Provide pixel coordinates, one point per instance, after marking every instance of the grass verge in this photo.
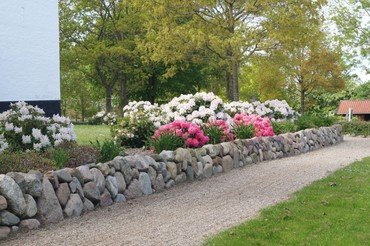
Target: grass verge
(87, 133)
(331, 211)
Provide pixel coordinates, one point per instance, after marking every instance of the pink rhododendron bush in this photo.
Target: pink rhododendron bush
(25, 127)
(191, 133)
(218, 131)
(262, 125)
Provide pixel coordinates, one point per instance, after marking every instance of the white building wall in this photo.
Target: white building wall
(29, 50)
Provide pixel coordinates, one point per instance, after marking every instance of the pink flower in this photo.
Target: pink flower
(262, 125)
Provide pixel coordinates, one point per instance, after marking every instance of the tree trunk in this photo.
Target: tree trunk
(108, 99)
(235, 80)
(303, 95)
(229, 83)
(83, 109)
(123, 95)
(152, 88)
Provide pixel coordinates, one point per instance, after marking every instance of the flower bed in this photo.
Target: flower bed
(69, 192)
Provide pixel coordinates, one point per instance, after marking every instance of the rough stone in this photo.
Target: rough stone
(217, 169)
(120, 198)
(135, 173)
(190, 173)
(170, 184)
(74, 206)
(75, 173)
(91, 192)
(172, 169)
(142, 163)
(158, 183)
(111, 185)
(183, 156)
(133, 190)
(152, 174)
(86, 174)
(63, 176)
(145, 184)
(225, 148)
(105, 199)
(207, 159)
(166, 176)
(4, 231)
(29, 224)
(157, 157)
(88, 205)
(14, 229)
(126, 171)
(181, 178)
(227, 163)
(13, 194)
(48, 207)
(31, 209)
(99, 179)
(3, 203)
(63, 193)
(131, 160)
(216, 161)
(75, 186)
(208, 169)
(30, 183)
(53, 178)
(121, 183)
(198, 170)
(167, 155)
(8, 219)
(104, 168)
(212, 150)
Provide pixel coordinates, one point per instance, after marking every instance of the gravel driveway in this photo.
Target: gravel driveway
(188, 213)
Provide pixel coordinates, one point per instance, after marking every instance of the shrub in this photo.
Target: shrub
(281, 127)
(107, 150)
(262, 125)
(60, 157)
(191, 133)
(311, 121)
(167, 141)
(244, 131)
(102, 117)
(24, 161)
(356, 128)
(133, 131)
(218, 131)
(25, 127)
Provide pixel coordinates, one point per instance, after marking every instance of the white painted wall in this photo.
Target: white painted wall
(29, 50)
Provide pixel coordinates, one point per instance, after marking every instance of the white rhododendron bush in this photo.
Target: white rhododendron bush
(25, 127)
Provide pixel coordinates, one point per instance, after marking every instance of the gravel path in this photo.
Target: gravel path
(188, 213)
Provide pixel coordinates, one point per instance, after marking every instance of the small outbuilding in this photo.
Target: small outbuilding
(360, 108)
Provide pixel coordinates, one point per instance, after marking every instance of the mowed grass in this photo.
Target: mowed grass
(332, 211)
(90, 133)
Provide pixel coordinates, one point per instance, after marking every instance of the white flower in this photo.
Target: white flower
(26, 139)
(24, 110)
(37, 146)
(9, 126)
(18, 129)
(36, 133)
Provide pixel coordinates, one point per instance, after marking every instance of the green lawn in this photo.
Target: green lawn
(87, 133)
(332, 211)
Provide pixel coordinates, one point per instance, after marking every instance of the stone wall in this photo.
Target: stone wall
(26, 200)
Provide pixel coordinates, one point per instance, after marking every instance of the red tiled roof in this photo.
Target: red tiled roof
(358, 106)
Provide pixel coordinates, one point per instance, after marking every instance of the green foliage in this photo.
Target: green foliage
(244, 132)
(133, 131)
(312, 121)
(331, 211)
(283, 127)
(214, 133)
(356, 128)
(108, 150)
(166, 141)
(60, 157)
(24, 161)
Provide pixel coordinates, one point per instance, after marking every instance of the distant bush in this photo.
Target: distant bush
(166, 141)
(107, 150)
(311, 121)
(282, 127)
(356, 128)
